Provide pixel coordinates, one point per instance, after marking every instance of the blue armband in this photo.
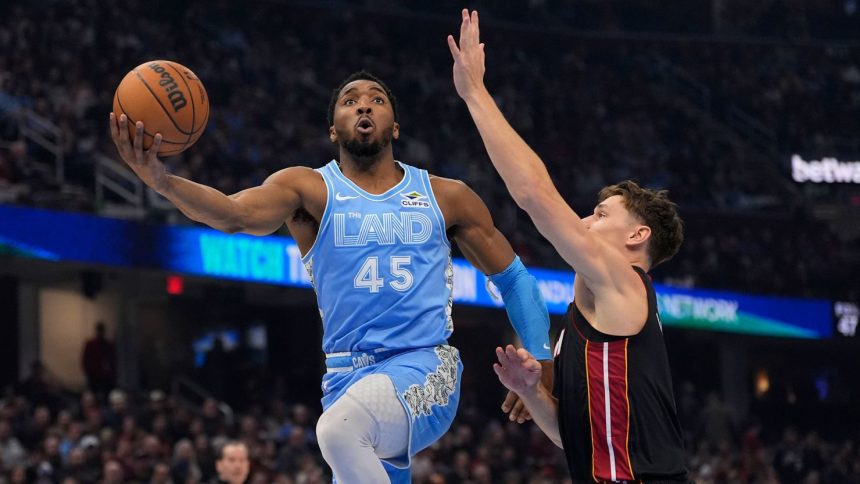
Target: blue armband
(526, 308)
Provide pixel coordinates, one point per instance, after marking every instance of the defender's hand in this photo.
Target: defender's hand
(513, 404)
(468, 56)
(145, 164)
(517, 369)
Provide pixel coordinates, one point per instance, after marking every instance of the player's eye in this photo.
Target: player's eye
(348, 102)
(379, 100)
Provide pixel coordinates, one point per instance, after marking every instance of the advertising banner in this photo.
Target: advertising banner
(60, 236)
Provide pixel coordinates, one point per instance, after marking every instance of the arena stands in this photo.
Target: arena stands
(710, 110)
(153, 438)
(598, 110)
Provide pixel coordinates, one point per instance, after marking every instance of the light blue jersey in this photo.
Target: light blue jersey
(381, 269)
(381, 266)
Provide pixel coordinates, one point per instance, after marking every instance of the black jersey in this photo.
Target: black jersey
(617, 414)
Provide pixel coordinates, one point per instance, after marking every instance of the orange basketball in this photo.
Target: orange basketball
(169, 99)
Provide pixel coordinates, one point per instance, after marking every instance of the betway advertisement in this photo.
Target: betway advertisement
(60, 236)
(825, 170)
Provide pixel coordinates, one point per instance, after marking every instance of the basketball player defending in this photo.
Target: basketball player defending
(373, 234)
(611, 408)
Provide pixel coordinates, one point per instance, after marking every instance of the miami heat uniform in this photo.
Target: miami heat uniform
(617, 415)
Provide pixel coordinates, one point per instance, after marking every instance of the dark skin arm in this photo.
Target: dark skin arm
(258, 210)
(469, 222)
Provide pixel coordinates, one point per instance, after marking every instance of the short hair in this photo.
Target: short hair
(359, 76)
(655, 210)
(219, 450)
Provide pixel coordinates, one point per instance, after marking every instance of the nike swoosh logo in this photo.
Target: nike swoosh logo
(341, 198)
(545, 346)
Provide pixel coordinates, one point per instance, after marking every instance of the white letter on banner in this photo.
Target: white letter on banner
(555, 292)
(673, 305)
(713, 310)
(730, 309)
(842, 171)
(298, 273)
(464, 283)
(848, 315)
(815, 171)
(798, 169)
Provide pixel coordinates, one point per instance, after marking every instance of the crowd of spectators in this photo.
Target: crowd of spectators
(590, 106)
(50, 435)
(807, 95)
(795, 20)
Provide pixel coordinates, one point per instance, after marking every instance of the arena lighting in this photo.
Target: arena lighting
(175, 285)
(762, 382)
(827, 170)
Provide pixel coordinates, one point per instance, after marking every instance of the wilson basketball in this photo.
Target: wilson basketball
(169, 99)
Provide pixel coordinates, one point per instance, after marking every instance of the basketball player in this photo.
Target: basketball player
(612, 408)
(373, 234)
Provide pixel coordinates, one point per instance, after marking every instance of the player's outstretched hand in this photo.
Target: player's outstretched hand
(145, 164)
(468, 56)
(517, 369)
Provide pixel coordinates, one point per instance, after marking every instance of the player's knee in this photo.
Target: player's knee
(328, 434)
(343, 426)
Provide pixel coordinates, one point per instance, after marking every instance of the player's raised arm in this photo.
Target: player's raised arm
(523, 172)
(259, 211)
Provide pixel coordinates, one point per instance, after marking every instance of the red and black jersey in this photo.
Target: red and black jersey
(617, 414)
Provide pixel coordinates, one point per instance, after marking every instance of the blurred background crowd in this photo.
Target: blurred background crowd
(49, 435)
(706, 99)
(714, 121)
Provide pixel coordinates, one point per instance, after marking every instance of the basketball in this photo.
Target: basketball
(169, 99)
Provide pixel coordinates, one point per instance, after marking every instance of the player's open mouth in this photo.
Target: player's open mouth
(364, 126)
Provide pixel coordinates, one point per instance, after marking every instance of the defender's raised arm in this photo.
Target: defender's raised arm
(523, 172)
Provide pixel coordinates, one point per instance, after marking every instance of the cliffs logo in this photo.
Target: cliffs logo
(414, 200)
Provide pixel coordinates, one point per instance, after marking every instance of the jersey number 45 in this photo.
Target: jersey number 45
(368, 275)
